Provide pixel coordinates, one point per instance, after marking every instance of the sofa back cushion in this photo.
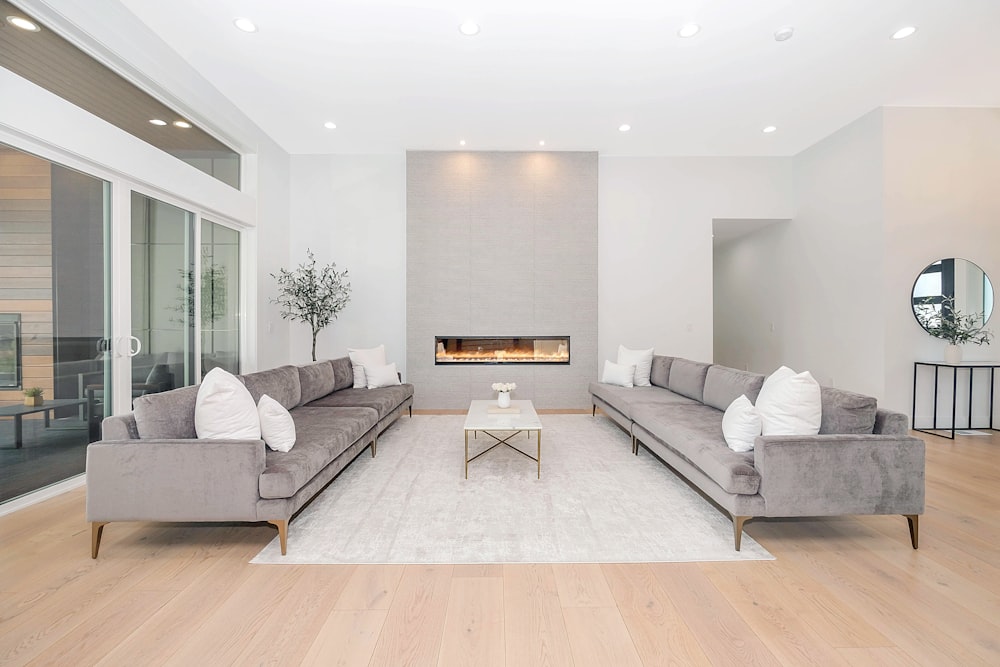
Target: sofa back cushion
(343, 373)
(281, 384)
(847, 412)
(168, 415)
(659, 376)
(724, 385)
(687, 378)
(315, 381)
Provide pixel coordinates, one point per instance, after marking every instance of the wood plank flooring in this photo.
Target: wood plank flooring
(843, 591)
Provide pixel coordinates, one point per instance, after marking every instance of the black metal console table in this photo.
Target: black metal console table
(973, 366)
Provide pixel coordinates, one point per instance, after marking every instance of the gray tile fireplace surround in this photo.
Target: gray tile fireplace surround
(501, 244)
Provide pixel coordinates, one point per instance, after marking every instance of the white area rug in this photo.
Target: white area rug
(595, 503)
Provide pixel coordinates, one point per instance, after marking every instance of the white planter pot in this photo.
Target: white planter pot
(953, 354)
(503, 399)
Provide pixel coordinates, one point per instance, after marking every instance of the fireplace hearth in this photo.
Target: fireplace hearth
(545, 350)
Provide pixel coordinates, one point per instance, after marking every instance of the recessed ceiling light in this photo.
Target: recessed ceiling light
(624, 127)
(784, 33)
(462, 142)
(330, 125)
(469, 28)
(246, 25)
(157, 121)
(183, 124)
(903, 33)
(23, 23)
(541, 143)
(769, 129)
(689, 30)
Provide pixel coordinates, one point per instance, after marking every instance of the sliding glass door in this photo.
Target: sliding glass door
(55, 319)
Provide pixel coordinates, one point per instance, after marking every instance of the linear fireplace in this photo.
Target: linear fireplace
(501, 350)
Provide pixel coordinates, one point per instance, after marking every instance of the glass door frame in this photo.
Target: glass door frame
(119, 251)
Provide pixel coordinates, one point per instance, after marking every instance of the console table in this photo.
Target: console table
(972, 366)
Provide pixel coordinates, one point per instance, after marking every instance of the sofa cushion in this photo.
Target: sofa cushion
(322, 434)
(343, 373)
(167, 415)
(695, 433)
(315, 380)
(641, 359)
(225, 410)
(623, 400)
(281, 384)
(383, 400)
(847, 412)
(659, 374)
(724, 385)
(687, 378)
(619, 375)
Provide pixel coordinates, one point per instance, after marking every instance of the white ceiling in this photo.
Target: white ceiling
(398, 75)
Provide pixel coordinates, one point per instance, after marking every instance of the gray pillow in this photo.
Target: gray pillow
(343, 373)
(723, 385)
(687, 378)
(659, 375)
(316, 381)
(168, 415)
(281, 384)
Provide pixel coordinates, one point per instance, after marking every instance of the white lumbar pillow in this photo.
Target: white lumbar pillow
(224, 409)
(618, 374)
(382, 376)
(276, 425)
(374, 356)
(641, 359)
(741, 424)
(790, 403)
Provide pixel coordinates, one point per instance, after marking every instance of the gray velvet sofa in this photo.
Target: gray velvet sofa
(151, 466)
(863, 461)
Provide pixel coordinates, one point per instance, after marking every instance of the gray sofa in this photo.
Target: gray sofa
(151, 466)
(863, 461)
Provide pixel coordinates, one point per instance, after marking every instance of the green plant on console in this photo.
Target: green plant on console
(949, 323)
(312, 296)
(34, 392)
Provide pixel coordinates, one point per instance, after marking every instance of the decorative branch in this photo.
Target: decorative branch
(949, 323)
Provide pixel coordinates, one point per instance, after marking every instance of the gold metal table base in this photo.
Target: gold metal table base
(504, 441)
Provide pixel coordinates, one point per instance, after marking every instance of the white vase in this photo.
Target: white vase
(503, 399)
(953, 354)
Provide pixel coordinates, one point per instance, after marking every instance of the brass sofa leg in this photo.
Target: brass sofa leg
(96, 532)
(282, 526)
(913, 520)
(593, 412)
(738, 522)
(410, 408)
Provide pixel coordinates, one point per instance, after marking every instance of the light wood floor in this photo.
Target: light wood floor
(846, 591)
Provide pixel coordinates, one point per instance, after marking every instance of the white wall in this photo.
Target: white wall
(808, 293)
(941, 200)
(655, 244)
(351, 210)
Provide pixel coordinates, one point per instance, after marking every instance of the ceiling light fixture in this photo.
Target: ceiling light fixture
(23, 23)
(769, 129)
(541, 143)
(461, 142)
(689, 30)
(784, 33)
(469, 28)
(245, 24)
(183, 124)
(330, 125)
(903, 33)
(624, 127)
(157, 121)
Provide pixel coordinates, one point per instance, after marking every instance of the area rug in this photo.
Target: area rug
(595, 503)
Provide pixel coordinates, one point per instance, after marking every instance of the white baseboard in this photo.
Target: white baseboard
(42, 494)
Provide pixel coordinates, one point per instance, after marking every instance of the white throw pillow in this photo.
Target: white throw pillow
(643, 361)
(741, 424)
(790, 403)
(374, 356)
(382, 376)
(277, 427)
(618, 374)
(224, 409)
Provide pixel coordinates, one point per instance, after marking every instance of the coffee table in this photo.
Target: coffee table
(486, 418)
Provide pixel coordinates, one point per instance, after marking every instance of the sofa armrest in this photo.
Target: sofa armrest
(174, 480)
(828, 475)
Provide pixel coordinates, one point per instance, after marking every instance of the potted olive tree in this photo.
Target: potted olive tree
(313, 296)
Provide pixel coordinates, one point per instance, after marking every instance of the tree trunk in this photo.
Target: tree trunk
(315, 332)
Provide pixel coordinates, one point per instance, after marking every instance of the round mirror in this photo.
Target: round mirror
(958, 285)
